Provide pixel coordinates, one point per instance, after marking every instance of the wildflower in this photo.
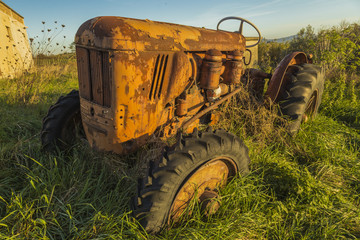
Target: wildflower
(63, 25)
(43, 22)
(49, 30)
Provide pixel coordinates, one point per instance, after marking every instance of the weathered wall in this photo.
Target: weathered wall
(15, 53)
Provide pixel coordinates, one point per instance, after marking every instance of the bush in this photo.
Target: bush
(335, 49)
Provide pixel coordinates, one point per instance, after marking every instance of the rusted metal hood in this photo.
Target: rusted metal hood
(118, 33)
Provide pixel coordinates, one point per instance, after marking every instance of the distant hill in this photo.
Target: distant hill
(281, 40)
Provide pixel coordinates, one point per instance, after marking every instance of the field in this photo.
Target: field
(301, 187)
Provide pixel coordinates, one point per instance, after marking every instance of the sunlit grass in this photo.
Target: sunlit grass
(302, 187)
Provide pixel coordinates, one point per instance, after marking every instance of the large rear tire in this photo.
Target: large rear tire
(62, 124)
(194, 169)
(302, 96)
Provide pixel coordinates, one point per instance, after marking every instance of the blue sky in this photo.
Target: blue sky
(274, 18)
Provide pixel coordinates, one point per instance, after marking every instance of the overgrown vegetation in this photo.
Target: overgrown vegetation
(302, 187)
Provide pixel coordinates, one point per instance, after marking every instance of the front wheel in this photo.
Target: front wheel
(302, 96)
(197, 167)
(62, 125)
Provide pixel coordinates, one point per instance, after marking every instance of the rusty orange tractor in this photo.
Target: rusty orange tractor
(140, 78)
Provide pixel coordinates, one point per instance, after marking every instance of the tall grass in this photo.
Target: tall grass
(302, 187)
(50, 76)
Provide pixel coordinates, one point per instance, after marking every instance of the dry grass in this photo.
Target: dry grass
(253, 118)
(29, 87)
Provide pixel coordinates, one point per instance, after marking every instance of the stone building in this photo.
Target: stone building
(15, 52)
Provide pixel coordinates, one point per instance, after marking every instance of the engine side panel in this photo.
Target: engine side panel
(131, 73)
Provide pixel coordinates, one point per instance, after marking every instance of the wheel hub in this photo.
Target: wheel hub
(202, 186)
(209, 201)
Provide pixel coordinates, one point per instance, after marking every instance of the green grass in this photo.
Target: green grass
(305, 187)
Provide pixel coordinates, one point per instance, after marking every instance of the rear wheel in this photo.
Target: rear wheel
(197, 167)
(302, 96)
(62, 124)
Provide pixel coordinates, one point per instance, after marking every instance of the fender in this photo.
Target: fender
(279, 80)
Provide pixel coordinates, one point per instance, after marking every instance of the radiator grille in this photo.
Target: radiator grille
(94, 76)
(158, 76)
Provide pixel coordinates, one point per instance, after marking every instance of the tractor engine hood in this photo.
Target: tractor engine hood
(118, 33)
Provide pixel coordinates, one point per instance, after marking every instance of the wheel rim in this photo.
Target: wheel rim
(203, 184)
(310, 108)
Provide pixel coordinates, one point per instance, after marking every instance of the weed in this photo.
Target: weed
(49, 41)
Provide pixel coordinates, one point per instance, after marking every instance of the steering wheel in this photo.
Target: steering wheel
(242, 20)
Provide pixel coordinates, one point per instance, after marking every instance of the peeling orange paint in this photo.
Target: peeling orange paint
(143, 67)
